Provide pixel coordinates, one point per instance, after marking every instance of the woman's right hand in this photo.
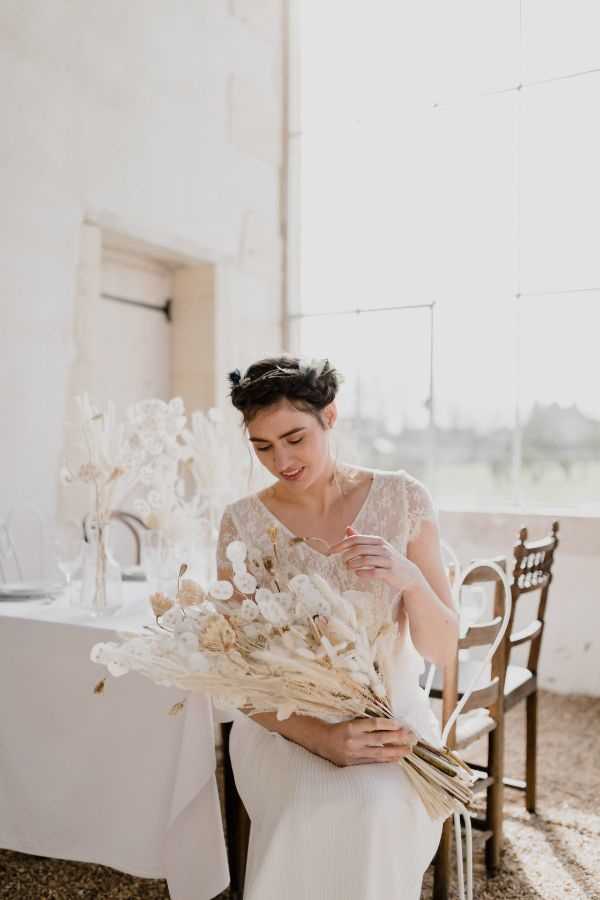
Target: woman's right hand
(365, 740)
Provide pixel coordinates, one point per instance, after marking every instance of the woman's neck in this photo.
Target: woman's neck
(319, 497)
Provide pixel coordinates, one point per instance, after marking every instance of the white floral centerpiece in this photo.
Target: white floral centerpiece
(156, 429)
(111, 470)
(218, 460)
(295, 646)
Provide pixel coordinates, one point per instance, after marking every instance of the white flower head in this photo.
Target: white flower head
(171, 617)
(315, 364)
(176, 406)
(236, 552)
(245, 582)
(248, 611)
(214, 415)
(286, 601)
(300, 583)
(312, 603)
(221, 590)
(270, 607)
(66, 476)
(116, 668)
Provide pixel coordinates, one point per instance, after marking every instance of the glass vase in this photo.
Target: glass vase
(101, 589)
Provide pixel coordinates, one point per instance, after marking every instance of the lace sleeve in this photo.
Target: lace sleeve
(227, 533)
(419, 506)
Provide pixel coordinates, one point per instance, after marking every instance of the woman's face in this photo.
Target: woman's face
(291, 443)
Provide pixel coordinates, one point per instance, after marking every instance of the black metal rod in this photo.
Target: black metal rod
(166, 309)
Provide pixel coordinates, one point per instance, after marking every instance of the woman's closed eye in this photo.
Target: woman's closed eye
(268, 447)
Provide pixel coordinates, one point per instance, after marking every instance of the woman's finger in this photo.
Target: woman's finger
(376, 723)
(382, 755)
(401, 738)
(354, 539)
(362, 549)
(370, 561)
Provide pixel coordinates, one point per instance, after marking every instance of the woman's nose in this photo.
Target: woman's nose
(282, 460)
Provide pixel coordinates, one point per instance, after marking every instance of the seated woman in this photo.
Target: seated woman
(332, 817)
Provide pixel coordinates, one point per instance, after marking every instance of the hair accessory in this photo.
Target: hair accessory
(312, 365)
(235, 377)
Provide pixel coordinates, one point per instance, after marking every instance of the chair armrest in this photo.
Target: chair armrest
(528, 633)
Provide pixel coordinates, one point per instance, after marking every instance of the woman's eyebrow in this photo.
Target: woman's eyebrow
(287, 434)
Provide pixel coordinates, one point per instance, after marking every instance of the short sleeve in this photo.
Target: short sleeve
(227, 533)
(419, 505)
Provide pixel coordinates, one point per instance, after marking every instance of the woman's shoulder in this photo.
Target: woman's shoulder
(409, 492)
(240, 507)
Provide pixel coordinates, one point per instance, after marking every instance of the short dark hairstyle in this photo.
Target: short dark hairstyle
(308, 387)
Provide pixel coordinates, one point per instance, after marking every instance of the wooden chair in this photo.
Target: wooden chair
(532, 571)
(533, 561)
(237, 822)
(482, 714)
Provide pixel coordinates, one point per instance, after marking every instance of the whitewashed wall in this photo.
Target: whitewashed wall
(570, 659)
(161, 121)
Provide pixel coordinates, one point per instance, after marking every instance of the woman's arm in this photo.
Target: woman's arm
(427, 601)
(419, 578)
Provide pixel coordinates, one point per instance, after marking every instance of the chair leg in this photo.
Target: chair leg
(531, 752)
(237, 823)
(442, 864)
(495, 798)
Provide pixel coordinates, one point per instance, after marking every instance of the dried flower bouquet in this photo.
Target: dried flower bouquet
(298, 646)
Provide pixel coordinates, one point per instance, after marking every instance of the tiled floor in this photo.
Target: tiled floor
(554, 855)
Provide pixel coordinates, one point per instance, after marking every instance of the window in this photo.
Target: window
(450, 193)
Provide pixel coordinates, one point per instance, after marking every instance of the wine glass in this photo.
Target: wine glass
(68, 551)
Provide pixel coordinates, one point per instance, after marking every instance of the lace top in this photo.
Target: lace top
(394, 509)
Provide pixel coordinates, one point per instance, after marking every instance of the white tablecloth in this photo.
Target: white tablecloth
(110, 778)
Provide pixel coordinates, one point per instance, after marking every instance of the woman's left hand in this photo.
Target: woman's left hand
(369, 555)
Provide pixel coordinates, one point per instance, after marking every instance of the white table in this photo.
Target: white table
(110, 778)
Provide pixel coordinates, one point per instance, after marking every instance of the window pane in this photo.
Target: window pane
(365, 216)
(560, 187)
(384, 401)
(560, 37)
(559, 401)
(474, 46)
(475, 403)
(473, 231)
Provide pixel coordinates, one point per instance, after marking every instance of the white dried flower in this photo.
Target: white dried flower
(245, 583)
(300, 583)
(236, 552)
(248, 611)
(66, 476)
(313, 363)
(221, 590)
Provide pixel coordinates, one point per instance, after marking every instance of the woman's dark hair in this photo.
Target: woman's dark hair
(309, 385)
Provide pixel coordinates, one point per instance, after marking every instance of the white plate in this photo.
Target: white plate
(22, 589)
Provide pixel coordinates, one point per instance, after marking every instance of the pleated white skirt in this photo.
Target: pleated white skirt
(320, 832)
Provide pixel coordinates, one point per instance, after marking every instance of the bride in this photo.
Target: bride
(332, 817)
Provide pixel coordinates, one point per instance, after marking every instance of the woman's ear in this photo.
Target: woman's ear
(330, 414)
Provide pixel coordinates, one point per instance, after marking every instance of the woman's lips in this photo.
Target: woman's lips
(295, 476)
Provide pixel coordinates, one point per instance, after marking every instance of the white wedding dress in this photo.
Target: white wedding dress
(321, 832)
